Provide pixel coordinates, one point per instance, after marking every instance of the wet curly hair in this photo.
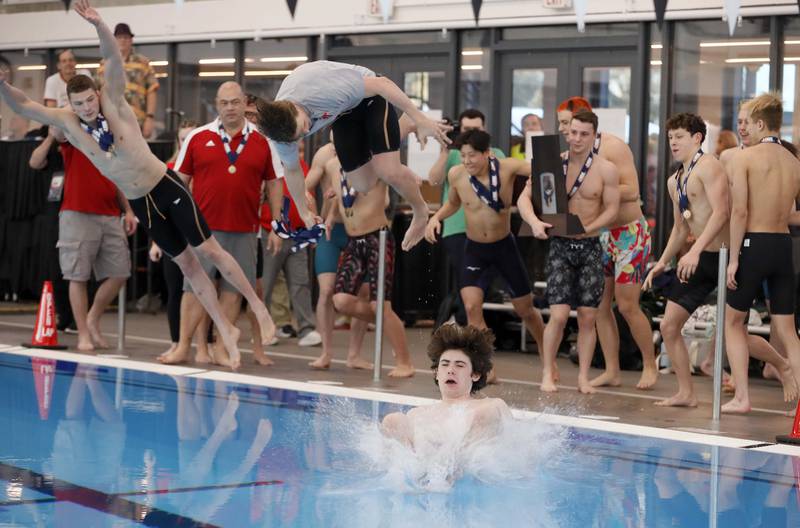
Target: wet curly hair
(477, 344)
(277, 120)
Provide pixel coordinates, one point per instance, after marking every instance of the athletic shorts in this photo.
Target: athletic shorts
(359, 262)
(326, 256)
(765, 257)
(693, 293)
(243, 247)
(574, 270)
(626, 250)
(483, 260)
(370, 128)
(171, 217)
(91, 242)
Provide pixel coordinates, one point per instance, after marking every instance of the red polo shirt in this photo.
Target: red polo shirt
(85, 189)
(294, 216)
(229, 202)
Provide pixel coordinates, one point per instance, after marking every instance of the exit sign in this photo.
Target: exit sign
(558, 4)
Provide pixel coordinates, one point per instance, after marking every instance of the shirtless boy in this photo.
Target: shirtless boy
(103, 126)
(574, 264)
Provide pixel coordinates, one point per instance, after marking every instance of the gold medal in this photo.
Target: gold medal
(232, 169)
(687, 214)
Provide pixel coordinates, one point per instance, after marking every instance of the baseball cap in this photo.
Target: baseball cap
(122, 29)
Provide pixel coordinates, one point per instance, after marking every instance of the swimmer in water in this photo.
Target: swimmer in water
(461, 361)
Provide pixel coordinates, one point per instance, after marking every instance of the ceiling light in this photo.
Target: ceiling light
(216, 61)
(88, 65)
(471, 67)
(734, 44)
(32, 68)
(655, 63)
(760, 60)
(471, 53)
(159, 63)
(284, 59)
(216, 74)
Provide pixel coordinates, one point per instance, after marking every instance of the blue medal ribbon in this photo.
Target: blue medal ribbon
(101, 133)
(226, 142)
(348, 195)
(683, 196)
(581, 176)
(771, 139)
(302, 237)
(490, 196)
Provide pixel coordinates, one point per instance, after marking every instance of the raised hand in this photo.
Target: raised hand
(85, 9)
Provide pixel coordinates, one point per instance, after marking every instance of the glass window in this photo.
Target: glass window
(387, 39)
(425, 89)
(267, 62)
(559, 32)
(653, 125)
(202, 67)
(534, 92)
(791, 75)
(714, 72)
(475, 71)
(28, 73)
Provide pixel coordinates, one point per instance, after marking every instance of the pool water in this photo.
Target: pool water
(86, 445)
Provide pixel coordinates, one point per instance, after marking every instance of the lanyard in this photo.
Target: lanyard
(683, 197)
(771, 139)
(101, 134)
(596, 146)
(226, 144)
(348, 195)
(582, 176)
(490, 196)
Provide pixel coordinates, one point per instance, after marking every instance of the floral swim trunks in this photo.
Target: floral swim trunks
(626, 250)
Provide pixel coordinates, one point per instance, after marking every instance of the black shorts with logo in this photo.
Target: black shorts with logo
(483, 260)
(370, 128)
(765, 257)
(574, 270)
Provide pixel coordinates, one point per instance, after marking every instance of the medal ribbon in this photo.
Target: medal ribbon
(226, 142)
(683, 197)
(302, 237)
(490, 196)
(771, 139)
(581, 176)
(596, 146)
(101, 134)
(348, 193)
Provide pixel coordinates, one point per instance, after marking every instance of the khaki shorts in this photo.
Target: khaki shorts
(242, 247)
(91, 242)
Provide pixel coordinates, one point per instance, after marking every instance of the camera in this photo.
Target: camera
(453, 134)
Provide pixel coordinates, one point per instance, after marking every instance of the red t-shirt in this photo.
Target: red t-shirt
(85, 189)
(229, 202)
(294, 216)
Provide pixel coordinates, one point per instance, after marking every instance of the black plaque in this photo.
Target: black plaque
(549, 192)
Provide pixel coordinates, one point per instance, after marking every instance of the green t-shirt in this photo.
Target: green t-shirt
(456, 223)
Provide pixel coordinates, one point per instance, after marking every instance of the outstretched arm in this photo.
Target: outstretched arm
(114, 75)
(22, 105)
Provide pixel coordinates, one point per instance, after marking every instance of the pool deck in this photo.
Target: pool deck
(519, 374)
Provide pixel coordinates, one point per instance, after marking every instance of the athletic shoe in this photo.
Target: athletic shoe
(310, 339)
(285, 332)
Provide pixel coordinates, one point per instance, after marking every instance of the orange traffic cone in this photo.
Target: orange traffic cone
(794, 436)
(45, 334)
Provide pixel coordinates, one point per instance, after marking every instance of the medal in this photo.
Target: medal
(226, 144)
(101, 134)
(771, 139)
(490, 196)
(581, 176)
(683, 196)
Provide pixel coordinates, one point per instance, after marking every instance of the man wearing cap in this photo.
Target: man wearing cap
(141, 85)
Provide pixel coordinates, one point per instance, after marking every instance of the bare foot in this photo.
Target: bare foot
(606, 379)
(262, 360)
(85, 344)
(770, 372)
(789, 383)
(359, 364)
(584, 387)
(678, 400)
(491, 378)
(416, 230)
(176, 357)
(202, 356)
(97, 337)
(548, 384)
(707, 367)
(232, 347)
(169, 351)
(219, 356)
(402, 371)
(736, 406)
(321, 363)
(648, 379)
(266, 324)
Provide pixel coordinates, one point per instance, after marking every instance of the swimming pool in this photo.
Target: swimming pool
(112, 443)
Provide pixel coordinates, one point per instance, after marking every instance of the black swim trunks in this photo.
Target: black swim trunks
(370, 128)
(574, 270)
(170, 215)
(693, 293)
(358, 262)
(765, 257)
(483, 260)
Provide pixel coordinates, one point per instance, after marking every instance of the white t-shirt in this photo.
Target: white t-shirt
(55, 88)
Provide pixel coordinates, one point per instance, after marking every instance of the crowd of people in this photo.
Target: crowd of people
(236, 210)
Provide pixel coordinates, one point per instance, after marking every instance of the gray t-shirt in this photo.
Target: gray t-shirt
(325, 89)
